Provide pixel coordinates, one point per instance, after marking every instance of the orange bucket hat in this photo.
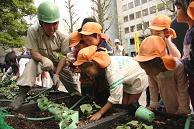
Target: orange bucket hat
(152, 47)
(90, 28)
(75, 38)
(190, 10)
(89, 53)
(161, 22)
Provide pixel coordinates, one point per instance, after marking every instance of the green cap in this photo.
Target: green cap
(48, 12)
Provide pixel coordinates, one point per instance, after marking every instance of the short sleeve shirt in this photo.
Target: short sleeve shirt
(47, 46)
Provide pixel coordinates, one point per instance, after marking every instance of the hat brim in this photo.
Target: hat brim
(85, 33)
(172, 32)
(156, 28)
(169, 62)
(74, 44)
(143, 58)
(104, 36)
(190, 10)
(78, 62)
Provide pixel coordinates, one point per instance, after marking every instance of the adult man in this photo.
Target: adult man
(44, 42)
(118, 48)
(25, 52)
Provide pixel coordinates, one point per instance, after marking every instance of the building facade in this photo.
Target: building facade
(137, 14)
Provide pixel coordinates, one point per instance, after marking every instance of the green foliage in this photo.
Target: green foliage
(60, 111)
(87, 108)
(8, 93)
(13, 26)
(74, 93)
(60, 56)
(135, 123)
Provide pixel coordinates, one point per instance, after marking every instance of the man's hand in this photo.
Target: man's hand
(14, 78)
(56, 82)
(47, 64)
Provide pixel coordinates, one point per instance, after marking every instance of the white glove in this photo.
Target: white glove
(47, 65)
(56, 82)
(3, 78)
(14, 78)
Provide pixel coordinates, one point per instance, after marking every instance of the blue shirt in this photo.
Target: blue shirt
(105, 46)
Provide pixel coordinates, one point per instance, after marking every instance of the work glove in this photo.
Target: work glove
(47, 65)
(14, 78)
(56, 82)
(3, 78)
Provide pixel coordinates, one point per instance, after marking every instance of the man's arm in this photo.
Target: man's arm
(36, 56)
(60, 65)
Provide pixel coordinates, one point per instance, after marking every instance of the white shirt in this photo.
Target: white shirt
(118, 50)
(124, 74)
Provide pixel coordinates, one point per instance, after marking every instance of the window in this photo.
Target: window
(131, 16)
(130, 5)
(145, 25)
(139, 26)
(143, 1)
(145, 12)
(137, 3)
(126, 19)
(126, 30)
(152, 9)
(132, 28)
(124, 7)
(161, 7)
(138, 14)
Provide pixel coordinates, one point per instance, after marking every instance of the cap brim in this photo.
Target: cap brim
(73, 44)
(78, 62)
(156, 28)
(143, 58)
(85, 33)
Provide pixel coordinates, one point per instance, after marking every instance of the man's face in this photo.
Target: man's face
(24, 49)
(50, 28)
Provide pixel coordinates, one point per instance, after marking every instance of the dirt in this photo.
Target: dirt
(18, 122)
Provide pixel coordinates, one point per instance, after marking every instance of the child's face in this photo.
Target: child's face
(157, 33)
(91, 40)
(149, 71)
(180, 14)
(79, 46)
(91, 71)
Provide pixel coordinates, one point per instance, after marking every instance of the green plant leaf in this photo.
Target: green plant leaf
(86, 108)
(148, 127)
(133, 122)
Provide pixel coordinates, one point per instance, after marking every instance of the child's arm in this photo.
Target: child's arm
(182, 86)
(104, 109)
(171, 47)
(153, 93)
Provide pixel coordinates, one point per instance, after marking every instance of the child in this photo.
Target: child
(160, 26)
(17, 64)
(166, 74)
(121, 75)
(188, 55)
(91, 34)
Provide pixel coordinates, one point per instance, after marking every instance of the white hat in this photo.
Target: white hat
(117, 41)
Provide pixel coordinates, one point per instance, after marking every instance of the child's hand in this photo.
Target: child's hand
(150, 108)
(96, 116)
(168, 38)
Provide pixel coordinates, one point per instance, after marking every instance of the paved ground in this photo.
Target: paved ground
(142, 99)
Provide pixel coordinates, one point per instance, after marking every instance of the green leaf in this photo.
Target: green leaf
(148, 127)
(86, 108)
(133, 122)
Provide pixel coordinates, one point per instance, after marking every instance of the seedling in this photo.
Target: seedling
(8, 93)
(135, 123)
(74, 93)
(60, 56)
(87, 108)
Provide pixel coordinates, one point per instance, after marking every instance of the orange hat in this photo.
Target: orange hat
(190, 10)
(161, 22)
(75, 38)
(152, 47)
(104, 36)
(90, 28)
(89, 53)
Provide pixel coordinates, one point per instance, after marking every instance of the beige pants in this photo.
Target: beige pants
(33, 69)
